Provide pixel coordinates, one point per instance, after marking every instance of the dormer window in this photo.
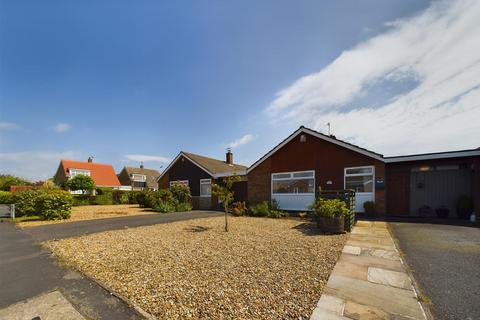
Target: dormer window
(74, 172)
(138, 177)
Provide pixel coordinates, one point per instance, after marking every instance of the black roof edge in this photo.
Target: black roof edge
(431, 153)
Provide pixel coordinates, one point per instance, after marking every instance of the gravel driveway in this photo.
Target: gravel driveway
(260, 269)
(445, 260)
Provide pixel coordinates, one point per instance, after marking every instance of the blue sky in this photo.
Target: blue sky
(126, 81)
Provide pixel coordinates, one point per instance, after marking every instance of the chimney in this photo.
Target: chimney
(90, 159)
(141, 165)
(229, 156)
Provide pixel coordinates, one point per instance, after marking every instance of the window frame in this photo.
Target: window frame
(345, 175)
(205, 182)
(144, 177)
(85, 172)
(182, 182)
(291, 177)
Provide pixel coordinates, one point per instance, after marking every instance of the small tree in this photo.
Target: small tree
(81, 182)
(225, 194)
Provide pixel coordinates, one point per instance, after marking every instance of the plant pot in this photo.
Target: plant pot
(442, 213)
(331, 225)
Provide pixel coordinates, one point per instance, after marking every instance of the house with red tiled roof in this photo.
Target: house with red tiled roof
(103, 174)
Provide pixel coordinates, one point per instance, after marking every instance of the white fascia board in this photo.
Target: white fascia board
(320, 136)
(434, 156)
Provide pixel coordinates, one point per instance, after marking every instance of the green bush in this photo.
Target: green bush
(277, 214)
(6, 197)
(132, 197)
(181, 193)
(165, 207)
(141, 198)
(50, 204)
(81, 182)
(83, 200)
(184, 206)
(329, 208)
(55, 205)
(26, 202)
(103, 199)
(7, 180)
(260, 209)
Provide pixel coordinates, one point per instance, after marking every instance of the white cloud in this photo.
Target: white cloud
(241, 141)
(147, 158)
(62, 127)
(33, 165)
(436, 51)
(8, 126)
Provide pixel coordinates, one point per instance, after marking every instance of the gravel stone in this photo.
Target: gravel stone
(260, 269)
(81, 213)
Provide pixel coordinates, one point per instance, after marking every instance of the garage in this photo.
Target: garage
(431, 185)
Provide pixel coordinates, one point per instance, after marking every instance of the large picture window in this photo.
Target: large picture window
(205, 187)
(293, 182)
(359, 179)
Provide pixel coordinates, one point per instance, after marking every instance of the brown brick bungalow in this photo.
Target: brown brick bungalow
(293, 171)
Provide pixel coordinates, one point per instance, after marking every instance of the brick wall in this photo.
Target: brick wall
(259, 183)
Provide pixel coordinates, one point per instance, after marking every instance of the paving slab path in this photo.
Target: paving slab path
(369, 280)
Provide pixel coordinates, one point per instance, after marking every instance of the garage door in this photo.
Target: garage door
(438, 187)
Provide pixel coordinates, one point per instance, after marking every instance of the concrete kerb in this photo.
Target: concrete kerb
(415, 285)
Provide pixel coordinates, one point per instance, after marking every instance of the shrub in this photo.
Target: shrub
(161, 200)
(81, 182)
(6, 197)
(132, 197)
(277, 214)
(184, 206)
(303, 215)
(181, 193)
(83, 200)
(329, 208)
(26, 202)
(141, 198)
(103, 199)
(7, 180)
(164, 207)
(239, 209)
(260, 209)
(103, 190)
(55, 205)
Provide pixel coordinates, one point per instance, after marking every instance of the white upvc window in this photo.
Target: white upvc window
(291, 183)
(360, 179)
(74, 172)
(139, 177)
(180, 182)
(205, 187)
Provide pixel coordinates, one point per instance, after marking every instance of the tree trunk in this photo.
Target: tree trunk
(226, 218)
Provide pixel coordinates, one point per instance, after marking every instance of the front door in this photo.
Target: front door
(361, 179)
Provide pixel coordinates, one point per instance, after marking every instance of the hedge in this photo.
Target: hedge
(177, 198)
(6, 197)
(106, 196)
(50, 204)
